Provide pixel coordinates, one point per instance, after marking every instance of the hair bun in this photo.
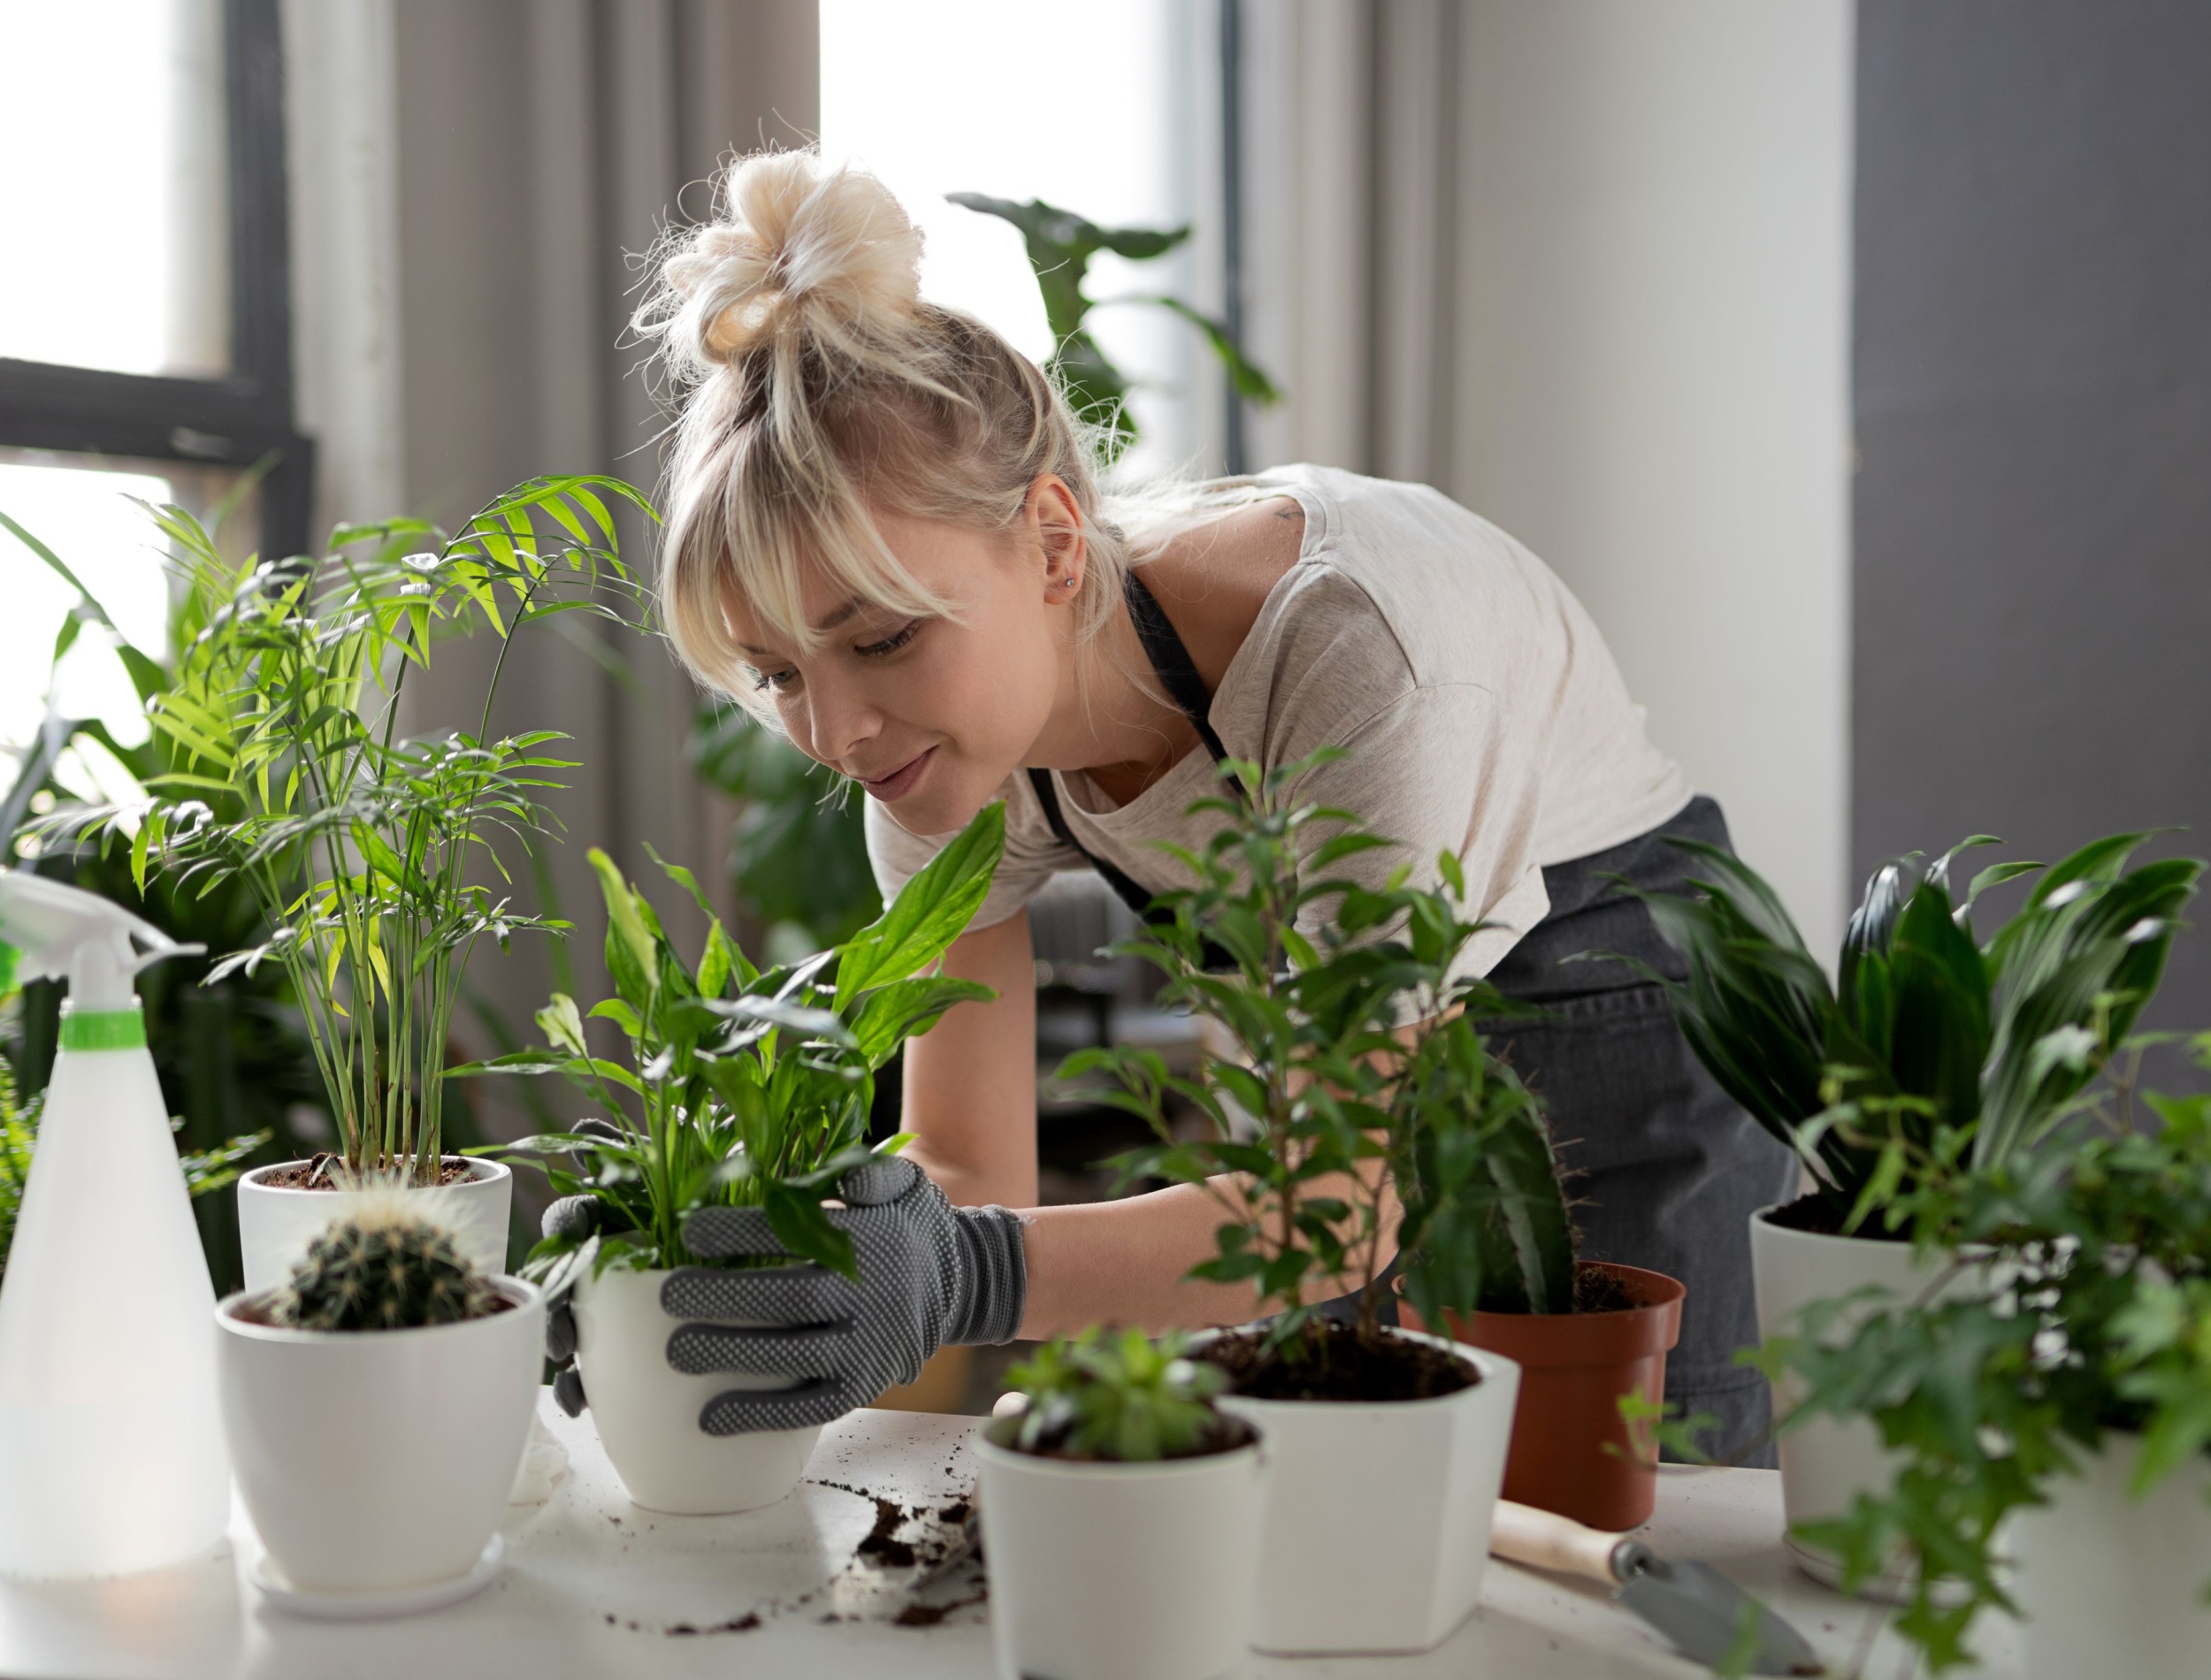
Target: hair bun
(798, 249)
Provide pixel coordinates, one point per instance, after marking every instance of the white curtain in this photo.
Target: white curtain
(473, 185)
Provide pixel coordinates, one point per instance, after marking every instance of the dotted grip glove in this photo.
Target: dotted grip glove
(930, 1274)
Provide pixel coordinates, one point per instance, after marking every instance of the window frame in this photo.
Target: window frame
(245, 415)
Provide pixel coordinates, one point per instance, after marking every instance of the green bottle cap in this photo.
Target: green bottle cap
(102, 1029)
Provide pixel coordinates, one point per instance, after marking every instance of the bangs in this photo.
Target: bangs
(748, 540)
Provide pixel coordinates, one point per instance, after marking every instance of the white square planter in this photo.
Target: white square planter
(2112, 1586)
(1377, 1514)
(1121, 1571)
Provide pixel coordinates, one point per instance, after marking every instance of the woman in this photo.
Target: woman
(885, 535)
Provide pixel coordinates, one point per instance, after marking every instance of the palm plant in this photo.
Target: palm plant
(1061, 246)
(1926, 1034)
(744, 1087)
(367, 852)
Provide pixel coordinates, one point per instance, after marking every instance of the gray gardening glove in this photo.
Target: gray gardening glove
(579, 1217)
(930, 1274)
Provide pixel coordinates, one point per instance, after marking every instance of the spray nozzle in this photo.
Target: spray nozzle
(61, 932)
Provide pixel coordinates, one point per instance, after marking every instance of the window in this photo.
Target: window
(989, 100)
(145, 321)
(145, 309)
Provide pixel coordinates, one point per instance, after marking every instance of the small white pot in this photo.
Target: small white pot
(275, 1224)
(1826, 1461)
(646, 1412)
(1122, 1571)
(376, 1461)
(1377, 1514)
(2112, 1585)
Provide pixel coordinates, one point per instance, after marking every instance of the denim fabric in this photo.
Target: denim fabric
(1663, 1169)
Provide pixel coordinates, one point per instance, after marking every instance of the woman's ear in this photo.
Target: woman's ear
(1056, 523)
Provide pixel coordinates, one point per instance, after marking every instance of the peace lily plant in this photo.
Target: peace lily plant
(742, 1088)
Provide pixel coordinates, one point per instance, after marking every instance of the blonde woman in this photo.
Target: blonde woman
(885, 536)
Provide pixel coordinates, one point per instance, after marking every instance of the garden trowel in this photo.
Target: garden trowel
(1707, 1616)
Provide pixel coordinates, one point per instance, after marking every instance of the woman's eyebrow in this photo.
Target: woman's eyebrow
(821, 628)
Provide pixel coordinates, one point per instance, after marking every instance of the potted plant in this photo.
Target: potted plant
(1387, 1444)
(325, 1385)
(368, 853)
(745, 1087)
(1120, 1515)
(1487, 1252)
(1924, 1033)
(2050, 1418)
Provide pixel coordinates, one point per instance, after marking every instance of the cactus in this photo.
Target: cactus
(1527, 1241)
(382, 1268)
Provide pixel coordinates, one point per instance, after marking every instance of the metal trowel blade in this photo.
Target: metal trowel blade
(1710, 1618)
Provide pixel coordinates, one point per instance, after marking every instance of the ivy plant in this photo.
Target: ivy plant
(2082, 1316)
(742, 1086)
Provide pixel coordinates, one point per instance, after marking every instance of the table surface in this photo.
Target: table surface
(596, 1588)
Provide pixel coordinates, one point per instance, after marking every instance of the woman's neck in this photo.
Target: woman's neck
(1212, 581)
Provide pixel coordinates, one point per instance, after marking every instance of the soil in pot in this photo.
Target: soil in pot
(1817, 1216)
(324, 1171)
(1339, 1366)
(1572, 1451)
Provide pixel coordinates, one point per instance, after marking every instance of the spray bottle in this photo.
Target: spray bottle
(111, 1455)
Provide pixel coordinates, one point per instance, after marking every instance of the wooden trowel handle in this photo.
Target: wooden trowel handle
(1545, 1540)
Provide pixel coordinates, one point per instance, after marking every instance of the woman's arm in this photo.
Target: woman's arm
(971, 1080)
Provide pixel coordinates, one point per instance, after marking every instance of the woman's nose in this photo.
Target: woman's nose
(843, 723)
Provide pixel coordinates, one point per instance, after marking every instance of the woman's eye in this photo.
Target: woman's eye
(776, 680)
(890, 644)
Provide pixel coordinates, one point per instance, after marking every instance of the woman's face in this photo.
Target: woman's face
(930, 715)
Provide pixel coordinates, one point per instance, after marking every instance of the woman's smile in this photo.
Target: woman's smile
(897, 783)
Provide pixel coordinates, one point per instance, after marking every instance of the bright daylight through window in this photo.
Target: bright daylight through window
(1084, 105)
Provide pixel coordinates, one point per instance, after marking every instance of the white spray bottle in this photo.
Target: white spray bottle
(111, 1455)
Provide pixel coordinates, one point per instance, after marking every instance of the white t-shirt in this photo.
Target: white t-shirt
(1480, 709)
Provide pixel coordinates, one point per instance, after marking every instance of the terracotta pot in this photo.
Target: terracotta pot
(1571, 1452)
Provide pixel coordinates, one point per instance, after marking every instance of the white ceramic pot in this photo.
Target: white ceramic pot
(646, 1412)
(1377, 1515)
(1122, 1571)
(1826, 1461)
(377, 1461)
(2112, 1585)
(276, 1225)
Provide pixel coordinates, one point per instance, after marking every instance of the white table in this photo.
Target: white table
(596, 1589)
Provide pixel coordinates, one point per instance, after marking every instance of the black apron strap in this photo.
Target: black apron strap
(1178, 675)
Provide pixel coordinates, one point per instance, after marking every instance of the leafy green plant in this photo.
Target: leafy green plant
(749, 1087)
(2083, 1311)
(367, 852)
(1061, 246)
(1117, 1396)
(382, 1268)
(1325, 1104)
(797, 850)
(1926, 1034)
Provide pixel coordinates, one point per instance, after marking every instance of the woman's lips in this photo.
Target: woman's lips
(899, 783)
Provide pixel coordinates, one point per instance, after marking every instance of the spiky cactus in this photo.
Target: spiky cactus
(383, 1270)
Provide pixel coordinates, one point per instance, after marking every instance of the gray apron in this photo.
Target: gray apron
(1662, 1169)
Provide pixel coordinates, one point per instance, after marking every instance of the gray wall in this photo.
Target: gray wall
(2033, 577)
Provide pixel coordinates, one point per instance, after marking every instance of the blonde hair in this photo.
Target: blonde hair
(815, 384)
